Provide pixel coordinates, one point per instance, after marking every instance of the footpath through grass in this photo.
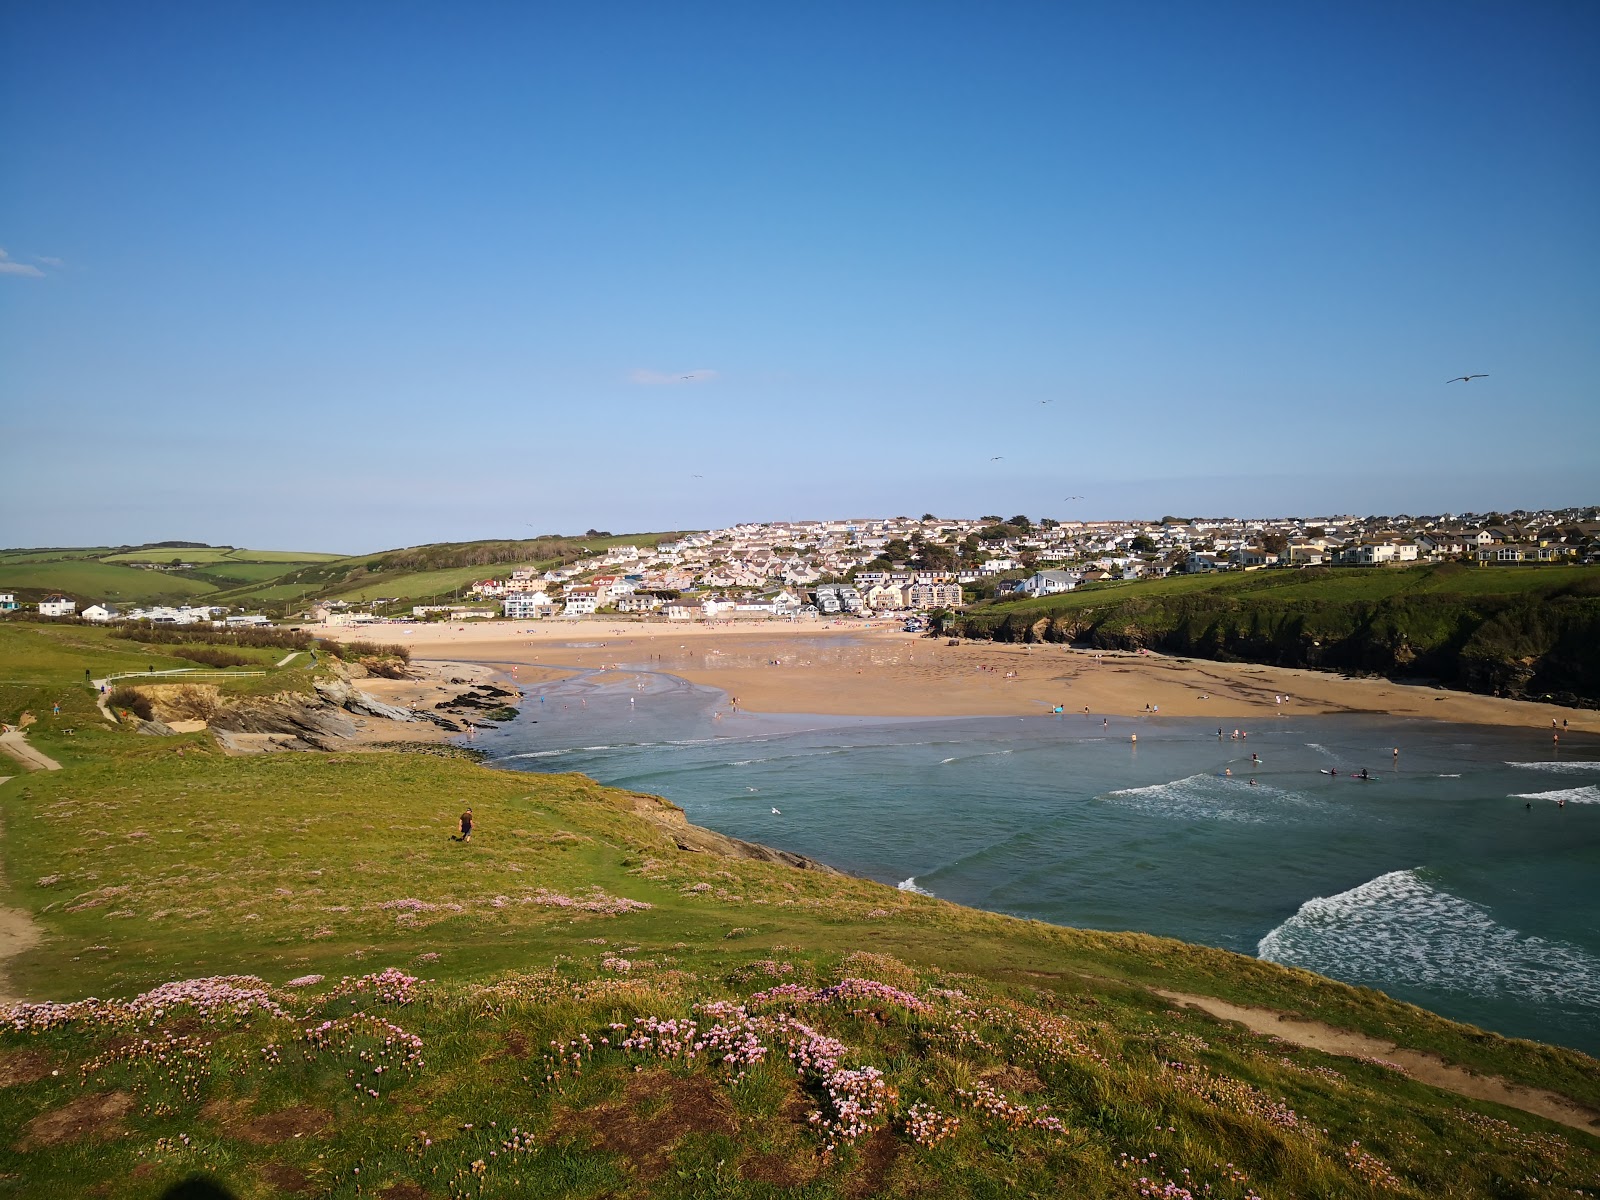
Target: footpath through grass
(569, 1005)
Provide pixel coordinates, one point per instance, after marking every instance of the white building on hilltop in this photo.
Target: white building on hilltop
(57, 606)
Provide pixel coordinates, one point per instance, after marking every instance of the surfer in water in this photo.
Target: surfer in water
(1363, 774)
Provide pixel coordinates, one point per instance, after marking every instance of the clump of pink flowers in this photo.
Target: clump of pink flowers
(388, 986)
(982, 1097)
(300, 981)
(850, 993)
(1372, 1170)
(376, 1047)
(1226, 1092)
(927, 1126)
(595, 901)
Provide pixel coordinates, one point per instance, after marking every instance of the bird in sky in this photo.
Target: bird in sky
(1044, 402)
(698, 477)
(1465, 378)
(997, 458)
(1074, 497)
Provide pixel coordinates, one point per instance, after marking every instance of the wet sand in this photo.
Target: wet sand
(854, 669)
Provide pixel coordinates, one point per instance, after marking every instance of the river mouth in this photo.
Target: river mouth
(1454, 877)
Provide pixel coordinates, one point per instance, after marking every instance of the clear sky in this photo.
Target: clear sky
(346, 276)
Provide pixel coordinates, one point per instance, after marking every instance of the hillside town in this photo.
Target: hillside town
(908, 567)
(901, 564)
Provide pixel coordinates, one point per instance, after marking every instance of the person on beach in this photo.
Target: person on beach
(466, 827)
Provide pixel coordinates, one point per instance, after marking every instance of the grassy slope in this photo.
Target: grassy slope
(224, 554)
(246, 577)
(101, 581)
(1334, 585)
(1532, 632)
(174, 861)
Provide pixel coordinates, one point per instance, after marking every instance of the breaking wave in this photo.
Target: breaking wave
(910, 885)
(1577, 795)
(1213, 798)
(1560, 768)
(1400, 929)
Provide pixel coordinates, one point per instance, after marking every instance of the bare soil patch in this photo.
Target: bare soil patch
(1012, 1078)
(286, 1178)
(778, 1169)
(658, 1111)
(876, 1157)
(1419, 1065)
(18, 1067)
(405, 1190)
(234, 1118)
(96, 1116)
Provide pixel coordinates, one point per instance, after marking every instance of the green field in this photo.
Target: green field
(221, 554)
(1016, 1058)
(1531, 632)
(1328, 584)
(101, 581)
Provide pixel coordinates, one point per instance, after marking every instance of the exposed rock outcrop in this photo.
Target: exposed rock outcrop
(705, 841)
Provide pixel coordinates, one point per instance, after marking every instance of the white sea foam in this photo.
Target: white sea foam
(1560, 768)
(1577, 795)
(910, 885)
(942, 761)
(1212, 798)
(1400, 929)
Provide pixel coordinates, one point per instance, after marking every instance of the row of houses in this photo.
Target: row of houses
(65, 606)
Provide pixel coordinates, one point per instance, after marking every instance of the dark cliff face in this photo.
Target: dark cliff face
(1509, 646)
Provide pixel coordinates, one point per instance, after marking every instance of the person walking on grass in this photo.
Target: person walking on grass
(466, 827)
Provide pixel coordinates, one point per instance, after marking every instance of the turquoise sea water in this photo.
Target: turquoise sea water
(1434, 882)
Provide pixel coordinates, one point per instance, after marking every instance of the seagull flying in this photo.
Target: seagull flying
(997, 458)
(1465, 378)
(1074, 497)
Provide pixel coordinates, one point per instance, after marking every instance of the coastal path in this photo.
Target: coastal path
(1421, 1066)
(15, 743)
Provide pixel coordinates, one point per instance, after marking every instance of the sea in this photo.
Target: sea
(1463, 875)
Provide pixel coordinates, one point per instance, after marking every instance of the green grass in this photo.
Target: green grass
(151, 859)
(422, 585)
(223, 554)
(100, 581)
(1337, 584)
(1528, 633)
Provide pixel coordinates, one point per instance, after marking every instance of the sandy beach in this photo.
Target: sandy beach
(857, 669)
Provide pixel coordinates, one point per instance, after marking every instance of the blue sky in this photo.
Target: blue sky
(350, 276)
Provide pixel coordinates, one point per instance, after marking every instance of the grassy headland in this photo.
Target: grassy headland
(285, 579)
(848, 1039)
(1528, 633)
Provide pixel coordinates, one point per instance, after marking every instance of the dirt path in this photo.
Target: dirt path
(1425, 1068)
(16, 745)
(18, 932)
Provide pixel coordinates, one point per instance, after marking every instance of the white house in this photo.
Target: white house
(527, 606)
(246, 621)
(8, 601)
(99, 612)
(1199, 564)
(57, 606)
(1251, 556)
(579, 604)
(1048, 583)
